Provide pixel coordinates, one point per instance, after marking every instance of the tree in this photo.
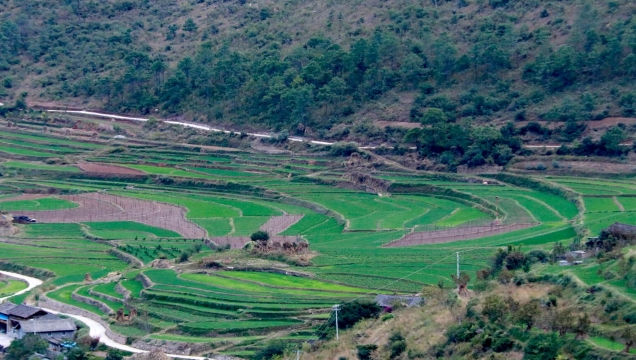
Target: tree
(563, 321)
(190, 25)
(172, 31)
(528, 313)
(461, 282)
(434, 116)
(396, 345)
(494, 308)
(365, 352)
(260, 236)
(114, 354)
(628, 335)
(76, 354)
(22, 349)
(271, 350)
(583, 326)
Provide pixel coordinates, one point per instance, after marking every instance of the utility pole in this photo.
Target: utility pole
(298, 354)
(336, 308)
(457, 264)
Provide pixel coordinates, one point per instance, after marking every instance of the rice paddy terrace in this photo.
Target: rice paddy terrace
(172, 221)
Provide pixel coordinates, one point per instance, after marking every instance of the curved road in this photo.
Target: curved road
(96, 329)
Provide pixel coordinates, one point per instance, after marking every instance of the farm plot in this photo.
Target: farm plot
(10, 286)
(257, 302)
(116, 230)
(39, 204)
(103, 208)
(371, 212)
(111, 169)
(37, 166)
(150, 249)
(8, 149)
(68, 258)
(600, 205)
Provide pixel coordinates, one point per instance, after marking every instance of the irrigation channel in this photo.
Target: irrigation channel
(96, 329)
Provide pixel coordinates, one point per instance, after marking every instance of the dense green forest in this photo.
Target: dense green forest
(330, 69)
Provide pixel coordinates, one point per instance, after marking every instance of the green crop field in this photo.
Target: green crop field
(42, 204)
(8, 287)
(117, 230)
(36, 166)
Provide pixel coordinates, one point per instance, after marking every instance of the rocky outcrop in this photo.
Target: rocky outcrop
(170, 347)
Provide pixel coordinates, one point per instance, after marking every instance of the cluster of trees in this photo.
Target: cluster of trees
(461, 62)
(29, 345)
(454, 144)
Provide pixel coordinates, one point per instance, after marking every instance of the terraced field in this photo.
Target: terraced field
(201, 297)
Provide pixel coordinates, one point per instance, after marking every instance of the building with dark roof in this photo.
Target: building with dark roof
(11, 315)
(47, 327)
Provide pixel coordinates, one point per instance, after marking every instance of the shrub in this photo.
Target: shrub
(260, 235)
(365, 351)
(542, 347)
(272, 349)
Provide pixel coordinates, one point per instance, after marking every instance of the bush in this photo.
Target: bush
(260, 235)
(271, 350)
(542, 347)
(365, 351)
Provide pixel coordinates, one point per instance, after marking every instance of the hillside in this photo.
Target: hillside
(278, 64)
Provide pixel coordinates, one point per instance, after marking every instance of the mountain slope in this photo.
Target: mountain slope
(280, 64)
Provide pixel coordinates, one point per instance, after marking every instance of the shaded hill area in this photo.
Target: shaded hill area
(332, 70)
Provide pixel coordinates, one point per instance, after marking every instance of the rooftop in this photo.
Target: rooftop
(47, 325)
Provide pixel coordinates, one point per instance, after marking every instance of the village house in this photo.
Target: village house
(20, 320)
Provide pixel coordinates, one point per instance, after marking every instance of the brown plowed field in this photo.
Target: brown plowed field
(108, 169)
(278, 224)
(456, 234)
(105, 207)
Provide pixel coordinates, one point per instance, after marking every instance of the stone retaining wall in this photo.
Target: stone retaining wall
(122, 290)
(105, 296)
(145, 280)
(55, 305)
(86, 300)
(127, 258)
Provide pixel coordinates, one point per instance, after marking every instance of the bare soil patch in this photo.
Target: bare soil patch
(97, 168)
(611, 121)
(456, 234)
(402, 124)
(105, 207)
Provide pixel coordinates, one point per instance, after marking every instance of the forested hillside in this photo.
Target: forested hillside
(313, 65)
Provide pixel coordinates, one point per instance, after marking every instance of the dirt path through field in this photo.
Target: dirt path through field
(106, 207)
(620, 206)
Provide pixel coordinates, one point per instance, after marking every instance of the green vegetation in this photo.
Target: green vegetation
(8, 287)
(281, 289)
(118, 230)
(42, 204)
